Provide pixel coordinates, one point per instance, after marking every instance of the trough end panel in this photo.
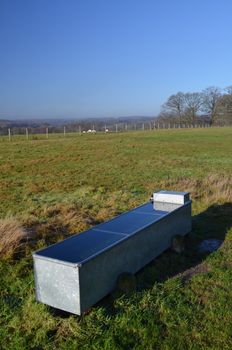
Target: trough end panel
(57, 285)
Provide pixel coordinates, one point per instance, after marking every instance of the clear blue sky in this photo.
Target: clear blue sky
(103, 58)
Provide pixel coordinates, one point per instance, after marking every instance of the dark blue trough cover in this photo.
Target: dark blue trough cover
(129, 223)
(81, 247)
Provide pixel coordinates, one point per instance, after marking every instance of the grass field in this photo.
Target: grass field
(52, 188)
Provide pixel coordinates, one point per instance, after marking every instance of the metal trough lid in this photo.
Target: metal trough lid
(81, 247)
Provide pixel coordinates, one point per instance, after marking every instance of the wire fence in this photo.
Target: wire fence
(30, 133)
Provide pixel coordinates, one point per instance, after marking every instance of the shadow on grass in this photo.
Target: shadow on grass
(213, 223)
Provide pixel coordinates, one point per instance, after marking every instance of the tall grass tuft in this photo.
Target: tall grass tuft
(12, 236)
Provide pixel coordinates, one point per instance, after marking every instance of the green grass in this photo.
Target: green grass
(59, 186)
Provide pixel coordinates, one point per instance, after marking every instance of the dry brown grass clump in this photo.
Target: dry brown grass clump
(212, 189)
(12, 235)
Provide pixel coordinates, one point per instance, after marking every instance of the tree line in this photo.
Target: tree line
(212, 105)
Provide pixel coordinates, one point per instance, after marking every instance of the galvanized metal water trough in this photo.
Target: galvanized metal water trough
(74, 274)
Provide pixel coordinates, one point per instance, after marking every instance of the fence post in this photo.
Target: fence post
(9, 134)
(116, 127)
(46, 133)
(79, 130)
(126, 127)
(64, 131)
(27, 136)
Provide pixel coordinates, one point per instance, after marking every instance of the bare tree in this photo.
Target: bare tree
(229, 89)
(175, 106)
(211, 102)
(225, 106)
(228, 98)
(193, 104)
(189, 107)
